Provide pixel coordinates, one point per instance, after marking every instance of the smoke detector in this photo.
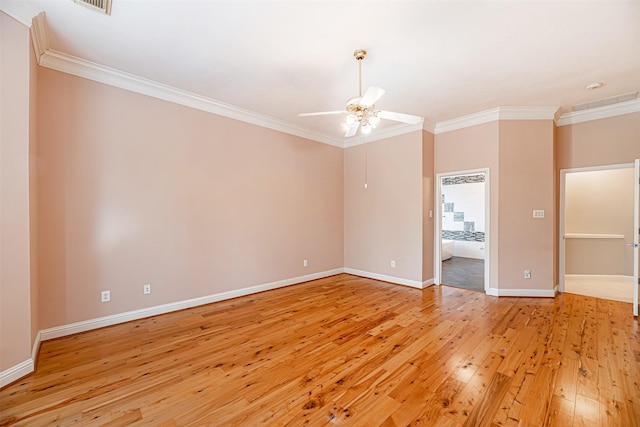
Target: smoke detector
(103, 6)
(592, 86)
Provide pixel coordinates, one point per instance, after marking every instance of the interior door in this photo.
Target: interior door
(636, 240)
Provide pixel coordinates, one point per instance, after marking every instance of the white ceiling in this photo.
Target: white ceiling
(436, 59)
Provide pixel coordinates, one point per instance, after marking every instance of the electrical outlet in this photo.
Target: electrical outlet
(527, 274)
(305, 263)
(393, 264)
(146, 289)
(105, 296)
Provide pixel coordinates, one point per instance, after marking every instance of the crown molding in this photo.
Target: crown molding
(494, 114)
(32, 17)
(429, 126)
(378, 135)
(20, 10)
(597, 113)
(468, 121)
(39, 35)
(89, 70)
(527, 113)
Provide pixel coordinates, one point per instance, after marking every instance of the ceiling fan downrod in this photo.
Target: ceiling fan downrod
(359, 54)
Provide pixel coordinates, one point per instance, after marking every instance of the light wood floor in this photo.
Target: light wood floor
(349, 351)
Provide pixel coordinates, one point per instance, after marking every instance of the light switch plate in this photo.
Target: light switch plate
(538, 213)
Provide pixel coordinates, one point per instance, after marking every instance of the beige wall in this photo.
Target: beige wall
(428, 200)
(33, 194)
(474, 147)
(15, 305)
(526, 183)
(520, 157)
(383, 222)
(599, 202)
(610, 141)
(136, 190)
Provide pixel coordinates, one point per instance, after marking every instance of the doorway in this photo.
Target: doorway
(462, 229)
(597, 215)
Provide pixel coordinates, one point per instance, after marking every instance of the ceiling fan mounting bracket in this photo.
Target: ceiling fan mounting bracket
(358, 109)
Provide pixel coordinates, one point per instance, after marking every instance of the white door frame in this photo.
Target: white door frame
(561, 234)
(636, 238)
(438, 225)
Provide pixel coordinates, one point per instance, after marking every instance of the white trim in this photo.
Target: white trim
(616, 278)
(522, 293)
(598, 168)
(467, 121)
(110, 76)
(429, 126)
(593, 236)
(385, 278)
(437, 253)
(31, 16)
(21, 10)
(16, 372)
(39, 35)
(494, 114)
(87, 325)
(603, 112)
(428, 283)
(528, 113)
(36, 346)
(636, 236)
(385, 133)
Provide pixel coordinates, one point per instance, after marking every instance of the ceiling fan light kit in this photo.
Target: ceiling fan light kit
(361, 111)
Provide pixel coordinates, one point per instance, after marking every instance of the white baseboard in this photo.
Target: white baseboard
(599, 278)
(25, 368)
(16, 372)
(523, 293)
(21, 369)
(385, 278)
(428, 283)
(36, 346)
(87, 325)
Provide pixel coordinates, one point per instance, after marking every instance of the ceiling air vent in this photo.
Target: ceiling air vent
(103, 6)
(607, 101)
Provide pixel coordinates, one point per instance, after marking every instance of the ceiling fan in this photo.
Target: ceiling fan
(362, 110)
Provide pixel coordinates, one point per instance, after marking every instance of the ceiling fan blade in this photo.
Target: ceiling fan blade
(371, 96)
(351, 130)
(399, 117)
(322, 113)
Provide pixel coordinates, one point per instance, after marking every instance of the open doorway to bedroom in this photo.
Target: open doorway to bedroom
(597, 232)
(461, 251)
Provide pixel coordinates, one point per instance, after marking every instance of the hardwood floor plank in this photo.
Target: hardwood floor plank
(345, 350)
(561, 412)
(484, 411)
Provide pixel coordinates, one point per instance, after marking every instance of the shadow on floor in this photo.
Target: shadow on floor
(467, 273)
